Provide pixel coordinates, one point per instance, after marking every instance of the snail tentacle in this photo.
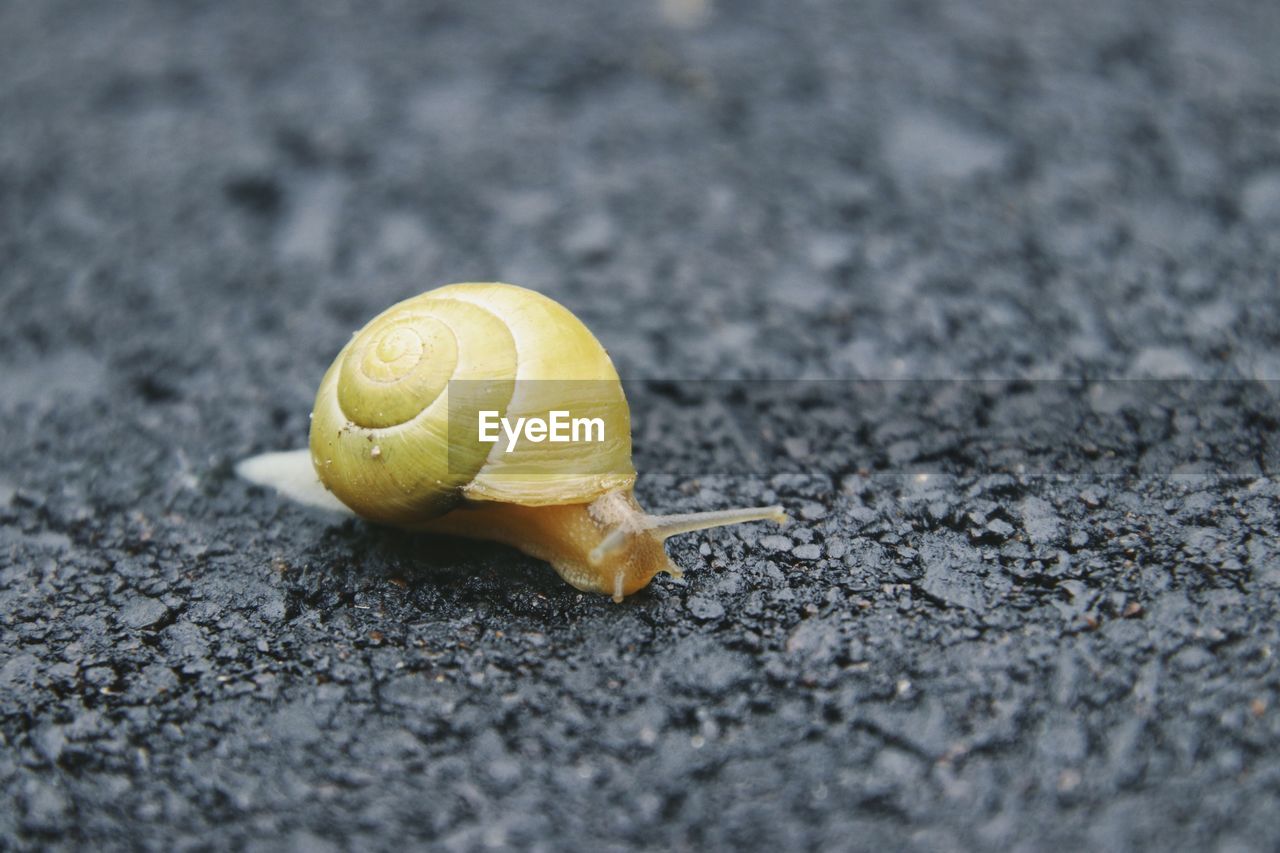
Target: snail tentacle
(666, 526)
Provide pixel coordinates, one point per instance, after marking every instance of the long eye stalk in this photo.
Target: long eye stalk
(666, 526)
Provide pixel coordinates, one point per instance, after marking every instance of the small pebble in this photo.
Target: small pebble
(775, 542)
(705, 608)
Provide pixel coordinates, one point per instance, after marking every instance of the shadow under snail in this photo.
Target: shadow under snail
(386, 445)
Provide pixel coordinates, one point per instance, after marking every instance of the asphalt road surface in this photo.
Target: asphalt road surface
(949, 648)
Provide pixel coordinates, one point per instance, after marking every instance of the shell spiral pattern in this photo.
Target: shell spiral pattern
(386, 442)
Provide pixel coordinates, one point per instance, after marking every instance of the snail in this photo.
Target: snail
(388, 444)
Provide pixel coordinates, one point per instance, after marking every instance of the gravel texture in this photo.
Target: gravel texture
(200, 201)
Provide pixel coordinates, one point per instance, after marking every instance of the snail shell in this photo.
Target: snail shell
(389, 388)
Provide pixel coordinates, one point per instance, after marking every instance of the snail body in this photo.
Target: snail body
(394, 439)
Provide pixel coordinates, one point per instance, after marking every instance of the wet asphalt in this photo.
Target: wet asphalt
(950, 648)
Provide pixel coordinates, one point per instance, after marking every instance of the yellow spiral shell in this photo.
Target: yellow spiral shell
(386, 442)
